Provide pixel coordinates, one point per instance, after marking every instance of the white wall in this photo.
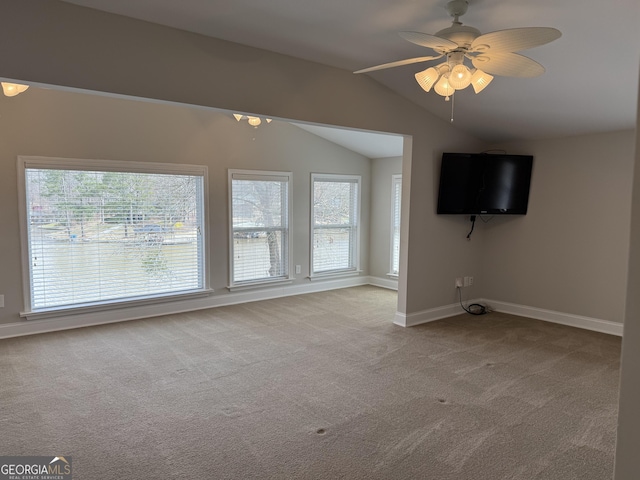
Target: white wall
(55, 123)
(569, 253)
(58, 43)
(382, 170)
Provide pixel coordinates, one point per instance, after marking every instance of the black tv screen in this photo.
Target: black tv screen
(483, 183)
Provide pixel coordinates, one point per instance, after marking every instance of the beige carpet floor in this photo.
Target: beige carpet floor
(318, 386)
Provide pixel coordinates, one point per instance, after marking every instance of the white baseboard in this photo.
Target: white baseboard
(389, 283)
(430, 315)
(587, 323)
(438, 313)
(31, 327)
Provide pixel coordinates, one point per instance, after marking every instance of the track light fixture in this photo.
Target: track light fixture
(251, 120)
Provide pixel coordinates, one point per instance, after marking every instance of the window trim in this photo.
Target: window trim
(59, 163)
(396, 179)
(355, 269)
(263, 175)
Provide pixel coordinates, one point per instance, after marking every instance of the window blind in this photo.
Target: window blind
(260, 226)
(335, 223)
(99, 237)
(396, 196)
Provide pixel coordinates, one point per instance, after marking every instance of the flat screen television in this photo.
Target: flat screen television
(484, 183)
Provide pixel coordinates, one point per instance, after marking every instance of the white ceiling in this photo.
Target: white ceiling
(590, 85)
(369, 144)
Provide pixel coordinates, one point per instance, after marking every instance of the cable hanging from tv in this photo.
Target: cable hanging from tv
(473, 225)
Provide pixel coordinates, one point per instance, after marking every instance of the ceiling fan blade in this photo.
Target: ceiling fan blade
(514, 39)
(399, 63)
(507, 64)
(430, 41)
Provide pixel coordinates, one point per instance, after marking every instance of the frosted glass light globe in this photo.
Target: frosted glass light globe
(479, 80)
(460, 77)
(427, 78)
(443, 87)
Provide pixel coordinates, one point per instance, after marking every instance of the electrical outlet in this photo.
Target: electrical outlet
(459, 282)
(298, 269)
(466, 281)
(1, 301)
(470, 281)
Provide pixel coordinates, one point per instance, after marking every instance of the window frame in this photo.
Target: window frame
(59, 163)
(354, 268)
(260, 175)
(396, 181)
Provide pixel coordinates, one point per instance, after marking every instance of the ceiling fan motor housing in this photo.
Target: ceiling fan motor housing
(463, 35)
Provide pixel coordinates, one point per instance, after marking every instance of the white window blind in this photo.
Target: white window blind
(259, 226)
(335, 222)
(103, 236)
(396, 198)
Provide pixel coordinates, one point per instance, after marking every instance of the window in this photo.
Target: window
(100, 232)
(259, 226)
(334, 223)
(396, 198)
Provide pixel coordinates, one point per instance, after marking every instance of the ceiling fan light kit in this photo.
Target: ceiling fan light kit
(460, 77)
(443, 87)
(479, 80)
(427, 78)
(489, 54)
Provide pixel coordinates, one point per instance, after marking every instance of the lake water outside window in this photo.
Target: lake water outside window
(102, 236)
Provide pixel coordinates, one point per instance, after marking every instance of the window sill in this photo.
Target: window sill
(393, 276)
(262, 284)
(113, 305)
(324, 276)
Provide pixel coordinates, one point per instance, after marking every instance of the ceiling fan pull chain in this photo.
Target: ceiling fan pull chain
(453, 99)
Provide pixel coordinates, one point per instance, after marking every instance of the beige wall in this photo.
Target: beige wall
(569, 253)
(627, 458)
(579, 271)
(54, 123)
(382, 170)
(62, 44)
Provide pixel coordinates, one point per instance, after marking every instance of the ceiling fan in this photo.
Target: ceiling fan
(491, 53)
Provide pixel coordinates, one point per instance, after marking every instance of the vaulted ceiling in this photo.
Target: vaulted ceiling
(590, 83)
